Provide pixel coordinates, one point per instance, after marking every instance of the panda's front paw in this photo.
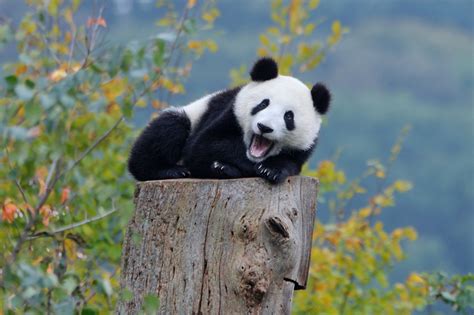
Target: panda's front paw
(271, 174)
(222, 170)
(174, 172)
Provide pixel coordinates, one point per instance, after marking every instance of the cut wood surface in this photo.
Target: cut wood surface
(237, 246)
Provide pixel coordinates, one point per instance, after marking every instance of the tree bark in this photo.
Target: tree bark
(236, 246)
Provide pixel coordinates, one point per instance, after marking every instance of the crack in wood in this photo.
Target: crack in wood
(204, 273)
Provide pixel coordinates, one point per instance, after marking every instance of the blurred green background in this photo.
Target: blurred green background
(403, 62)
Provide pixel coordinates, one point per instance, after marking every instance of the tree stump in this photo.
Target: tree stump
(237, 246)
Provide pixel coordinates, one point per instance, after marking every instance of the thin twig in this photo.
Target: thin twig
(346, 295)
(72, 226)
(17, 182)
(172, 49)
(71, 49)
(50, 182)
(92, 147)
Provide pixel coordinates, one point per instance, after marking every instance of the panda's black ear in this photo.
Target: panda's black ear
(321, 98)
(264, 69)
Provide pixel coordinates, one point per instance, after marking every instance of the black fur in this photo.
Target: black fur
(158, 149)
(264, 69)
(289, 120)
(218, 138)
(321, 98)
(264, 104)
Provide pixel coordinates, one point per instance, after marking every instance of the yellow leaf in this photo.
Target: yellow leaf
(397, 233)
(380, 173)
(141, 103)
(264, 40)
(210, 15)
(365, 212)
(212, 46)
(28, 26)
(273, 30)
(336, 27)
(21, 69)
(309, 28)
(114, 88)
(156, 104)
(191, 4)
(57, 75)
(402, 185)
(194, 45)
(313, 4)
(262, 52)
(415, 278)
(55, 31)
(53, 7)
(71, 248)
(46, 213)
(411, 234)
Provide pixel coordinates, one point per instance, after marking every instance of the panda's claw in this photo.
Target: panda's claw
(223, 170)
(274, 175)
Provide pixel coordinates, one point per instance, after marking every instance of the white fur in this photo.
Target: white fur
(195, 110)
(285, 93)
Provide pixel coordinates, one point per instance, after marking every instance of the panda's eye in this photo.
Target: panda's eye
(289, 120)
(263, 104)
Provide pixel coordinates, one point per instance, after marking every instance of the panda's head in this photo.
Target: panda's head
(278, 112)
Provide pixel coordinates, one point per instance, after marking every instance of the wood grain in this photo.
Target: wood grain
(219, 246)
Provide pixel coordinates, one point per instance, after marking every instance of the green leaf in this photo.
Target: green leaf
(70, 284)
(159, 52)
(18, 133)
(448, 296)
(23, 92)
(89, 311)
(47, 101)
(126, 61)
(11, 80)
(151, 303)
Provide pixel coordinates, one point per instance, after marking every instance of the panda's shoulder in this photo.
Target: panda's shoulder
(223, 99)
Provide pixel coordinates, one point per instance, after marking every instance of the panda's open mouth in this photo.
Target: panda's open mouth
(260, 146)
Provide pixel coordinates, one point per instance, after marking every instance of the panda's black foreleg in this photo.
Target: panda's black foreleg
(223, 170)
(217, 157)
(277, 168)
(158, 149)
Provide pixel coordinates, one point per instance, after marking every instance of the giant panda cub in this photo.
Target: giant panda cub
(266, 128)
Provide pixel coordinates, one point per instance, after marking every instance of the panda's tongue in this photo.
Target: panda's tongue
(259, 146)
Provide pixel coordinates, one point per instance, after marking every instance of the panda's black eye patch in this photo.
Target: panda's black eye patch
(289, 120)
(263, 104)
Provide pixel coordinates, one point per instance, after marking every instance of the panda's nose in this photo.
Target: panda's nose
(263, 128)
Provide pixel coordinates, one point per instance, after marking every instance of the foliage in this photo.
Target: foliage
(290, 40)
(456, 291)
(66, 107)
(352, 254)
(65, 122)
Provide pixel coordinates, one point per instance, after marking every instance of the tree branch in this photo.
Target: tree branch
(72, 226)
(92, 146)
